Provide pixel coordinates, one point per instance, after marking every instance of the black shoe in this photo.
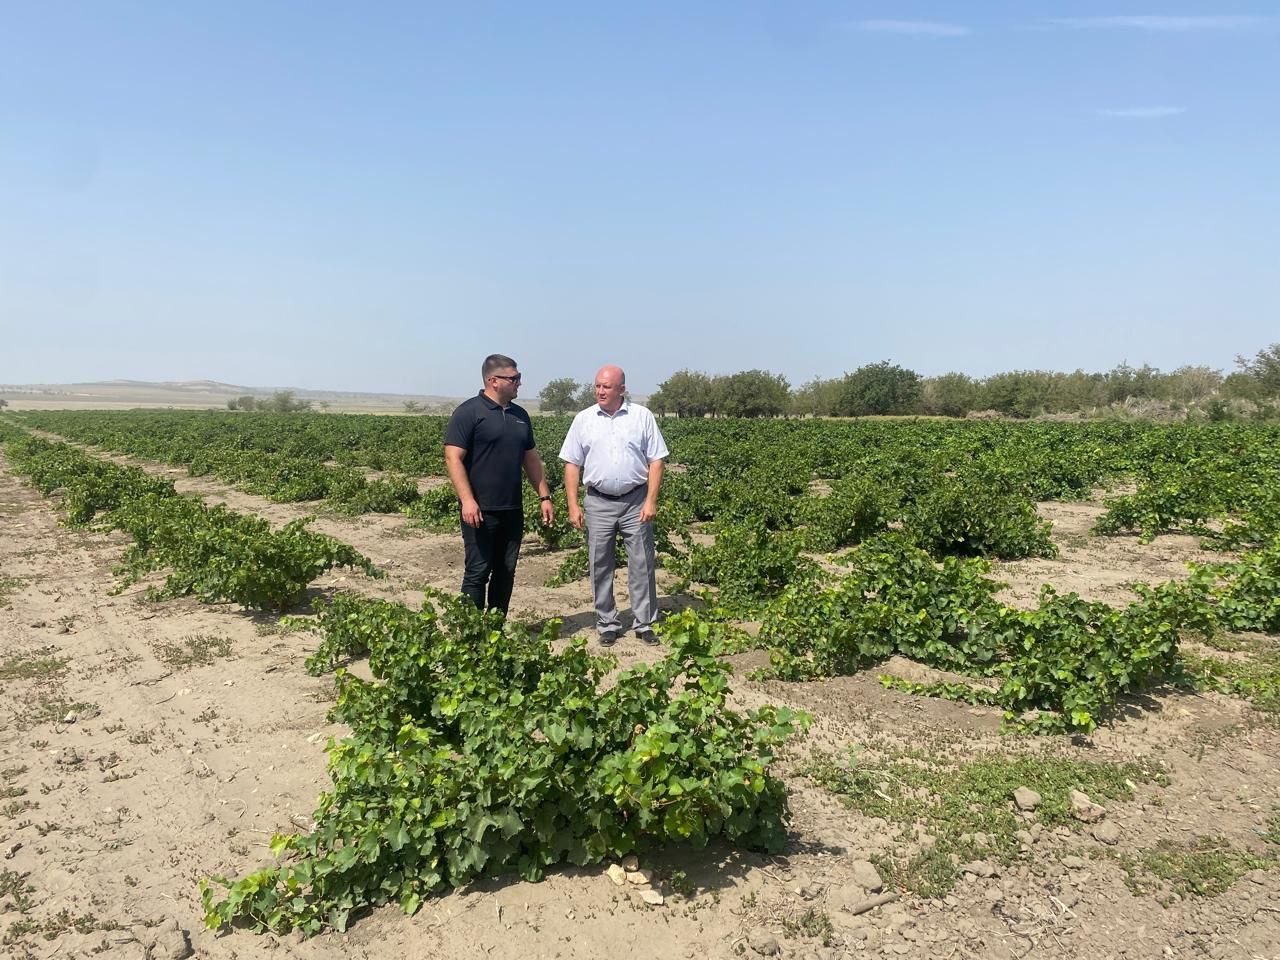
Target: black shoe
(647, 637)
(608, 638)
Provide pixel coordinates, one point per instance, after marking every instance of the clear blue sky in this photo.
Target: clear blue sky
(374, 196)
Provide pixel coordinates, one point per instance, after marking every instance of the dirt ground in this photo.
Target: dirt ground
(146, 746)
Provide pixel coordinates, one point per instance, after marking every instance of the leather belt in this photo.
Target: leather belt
(615, 496)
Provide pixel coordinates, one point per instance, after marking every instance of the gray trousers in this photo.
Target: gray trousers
(606, 520)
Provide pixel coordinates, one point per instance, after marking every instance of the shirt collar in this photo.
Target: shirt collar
(490, 402)
(600, 411)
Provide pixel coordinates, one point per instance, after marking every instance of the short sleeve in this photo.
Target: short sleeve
(655, 448)
(461, 428)
(529, 442)
(571, 450)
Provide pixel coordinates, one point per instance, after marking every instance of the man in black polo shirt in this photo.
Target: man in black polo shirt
(487, 442)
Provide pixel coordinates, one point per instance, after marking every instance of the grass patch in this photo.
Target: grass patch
(285, 626)
(812, 923)
(1227, 642)
(40, 665)
(55, 926)
(1202, 867)
(1255, 677)
(8, 587)
(16, 808)
(14, 887)
(928, 873)
(1272, 833)
(50, 710)
(197, 650)
(965, 805)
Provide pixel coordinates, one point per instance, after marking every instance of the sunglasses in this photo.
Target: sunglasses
(501, 376)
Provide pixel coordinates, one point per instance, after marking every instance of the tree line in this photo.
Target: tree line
(282, 401)
(887, 389)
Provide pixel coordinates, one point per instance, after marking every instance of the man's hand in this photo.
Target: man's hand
(548, 513)
(648, 511)
(576, 518)
(471, 514)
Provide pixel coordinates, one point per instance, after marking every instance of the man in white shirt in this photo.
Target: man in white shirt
(616, 449)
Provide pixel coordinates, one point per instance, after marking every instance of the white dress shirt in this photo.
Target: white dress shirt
(615, 451)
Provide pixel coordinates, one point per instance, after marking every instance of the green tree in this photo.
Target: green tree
(1193, 384)
(411, 406)
(3, 403)
(1018, 393)
(1265, 369)
(284, 401)
(950, 395)
(585, 397)
(686, 393)
(1241, 386)
(1125, 381)
(751, 393)
(817, 398)
(558, 396)
(878, 389)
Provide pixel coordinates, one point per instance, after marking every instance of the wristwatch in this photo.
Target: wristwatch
(544, 499)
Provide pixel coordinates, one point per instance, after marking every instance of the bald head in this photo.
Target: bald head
(610, 384)
(612, 373)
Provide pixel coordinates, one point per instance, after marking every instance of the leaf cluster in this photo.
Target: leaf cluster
(476, 750)
(213, 552)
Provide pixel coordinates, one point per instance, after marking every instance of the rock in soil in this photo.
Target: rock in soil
(765, 944)
(617, 874)
(1107, 832)
(1084, 809)
(867, 876)
(1026, 799)
(170, 942)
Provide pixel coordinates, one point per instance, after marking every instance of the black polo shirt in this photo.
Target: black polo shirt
(495, 440)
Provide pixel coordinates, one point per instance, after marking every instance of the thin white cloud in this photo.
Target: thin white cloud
(1161, 24)
(1142, 113)
(913, 28)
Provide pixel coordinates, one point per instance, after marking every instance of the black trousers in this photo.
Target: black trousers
(492, 550)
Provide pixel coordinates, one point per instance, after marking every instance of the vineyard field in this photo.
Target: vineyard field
(243, 709)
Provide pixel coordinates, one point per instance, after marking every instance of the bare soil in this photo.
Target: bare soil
(146, 746)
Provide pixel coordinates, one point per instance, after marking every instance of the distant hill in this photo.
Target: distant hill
(203, 394)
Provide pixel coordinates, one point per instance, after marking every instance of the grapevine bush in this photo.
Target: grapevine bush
(476, 750)
(212, 552)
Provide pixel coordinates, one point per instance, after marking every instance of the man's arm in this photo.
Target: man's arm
(453, 457)
(650, 508)
(572, 476)
(538, 480)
